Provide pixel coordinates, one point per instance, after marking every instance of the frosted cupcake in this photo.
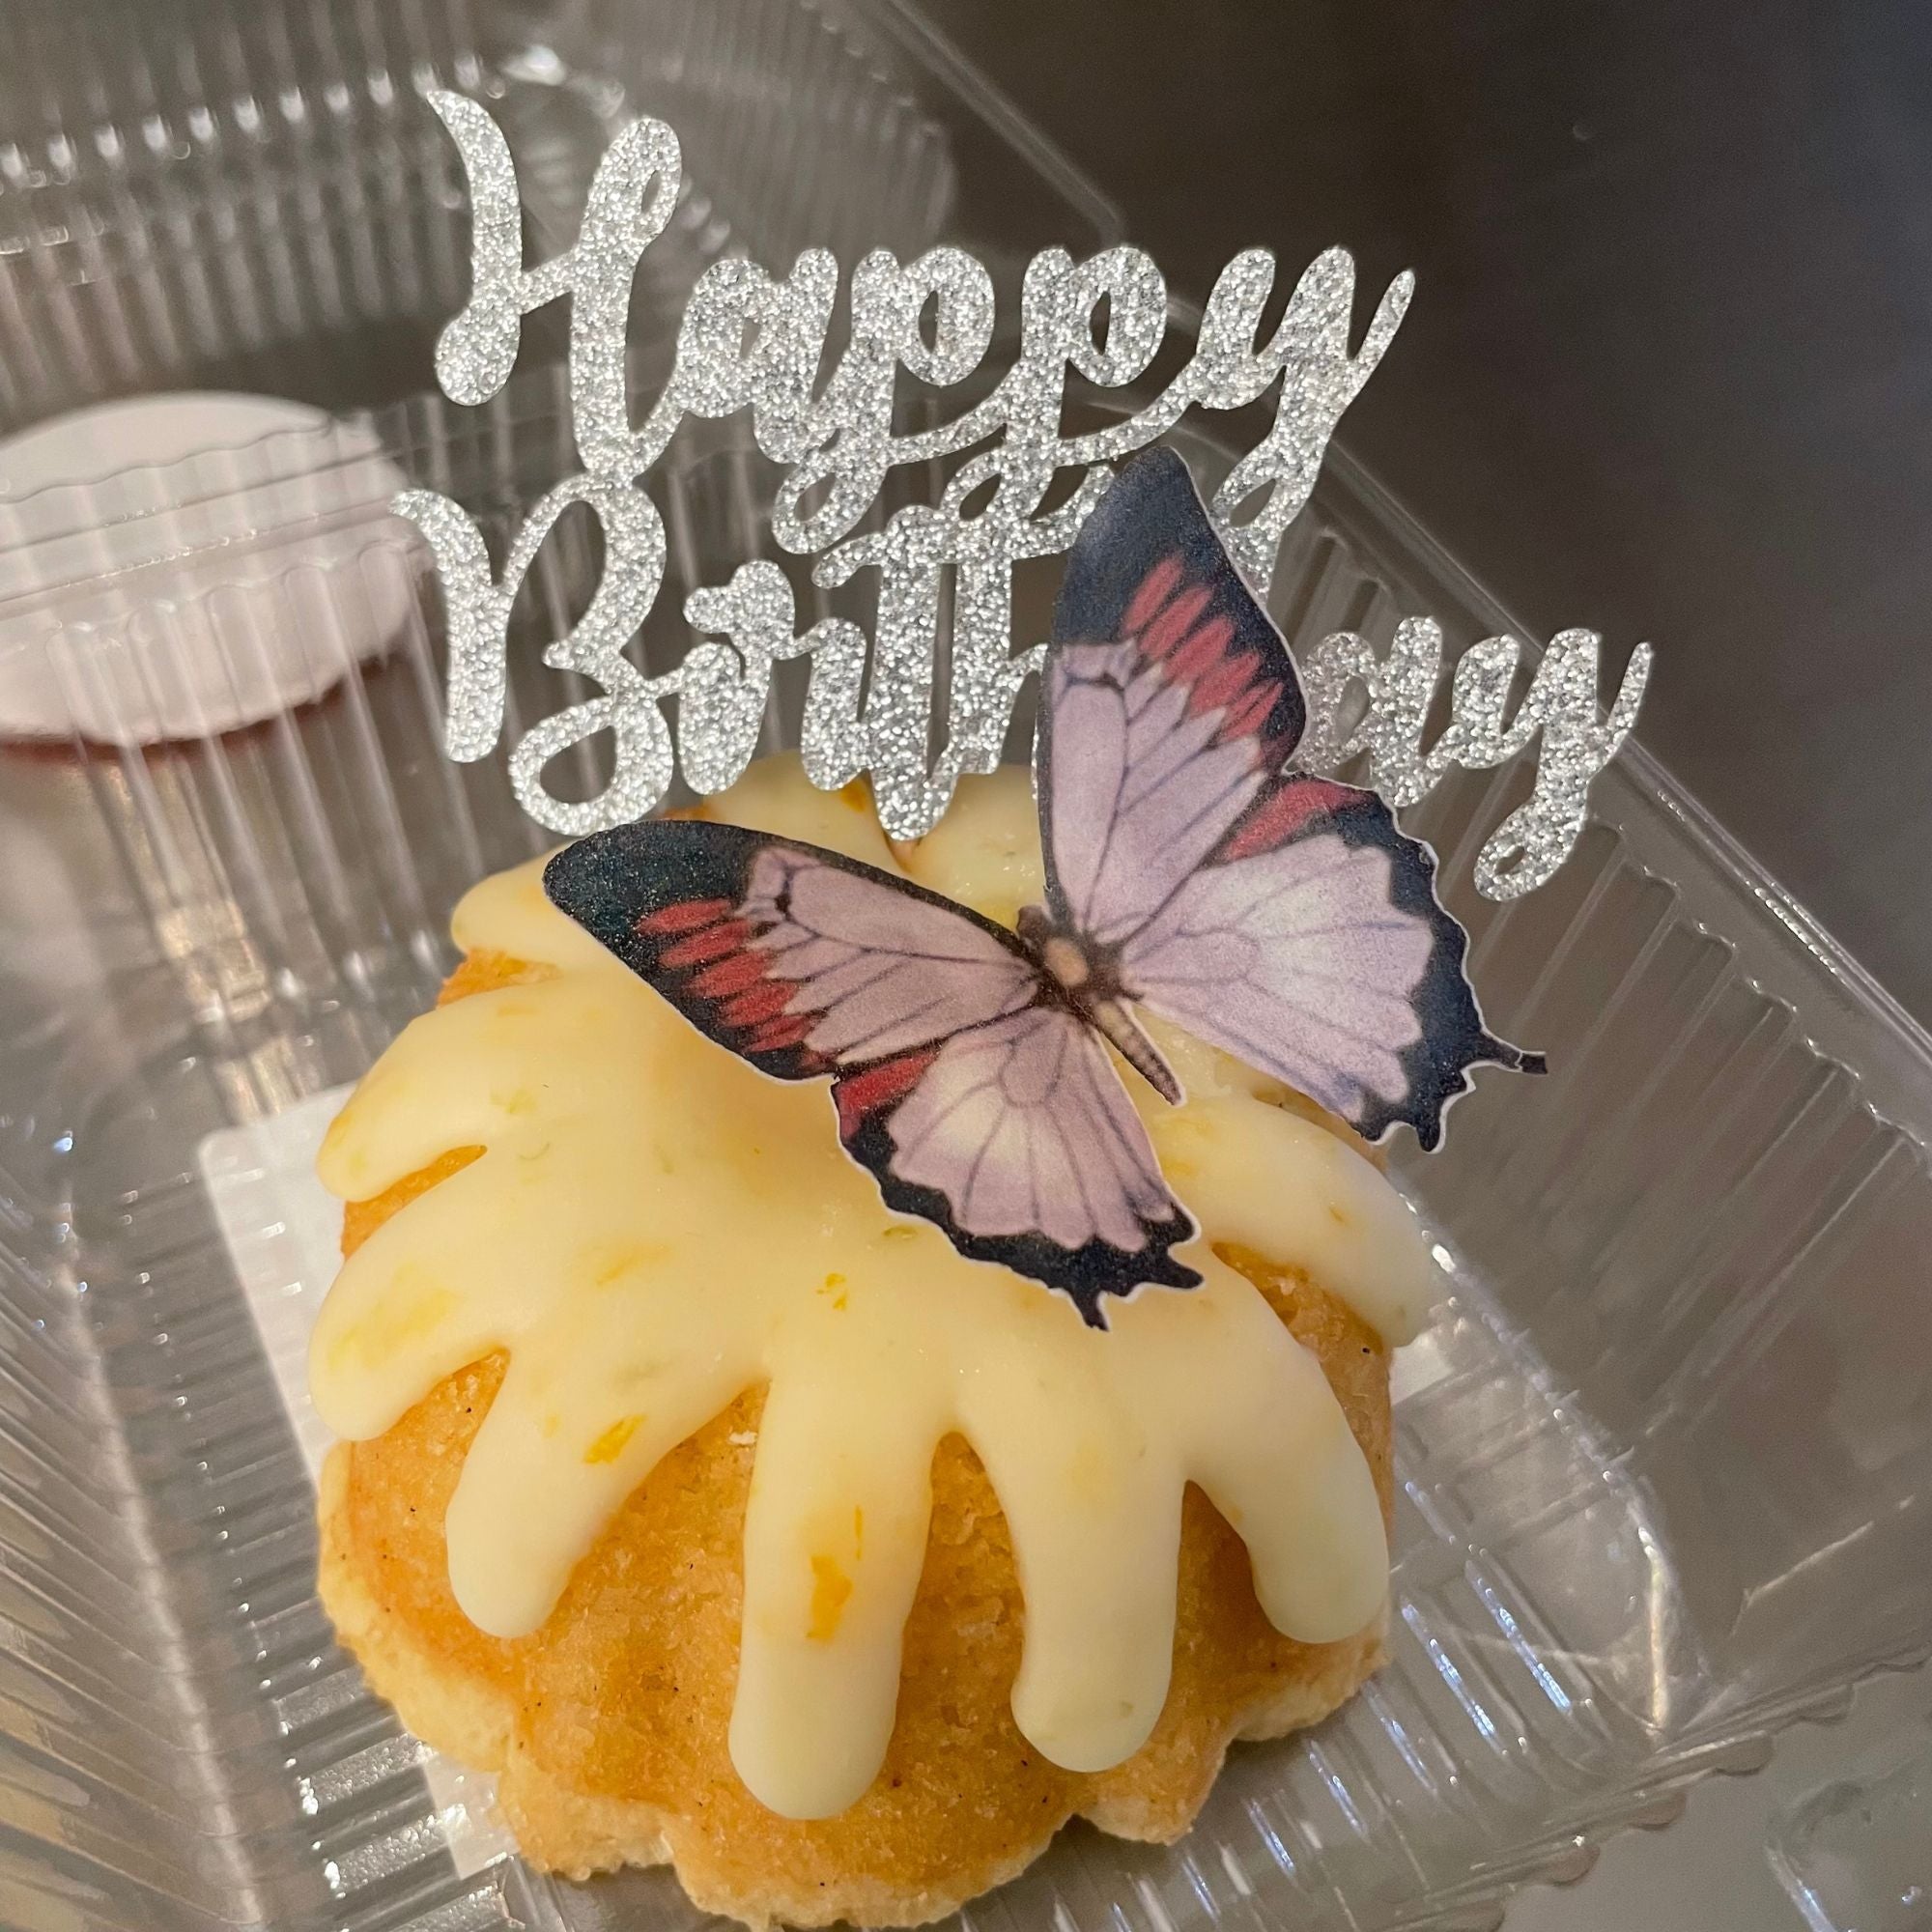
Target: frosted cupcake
(833, 1499)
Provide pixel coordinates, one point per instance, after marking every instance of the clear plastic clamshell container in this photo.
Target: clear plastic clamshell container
(1664, 1459)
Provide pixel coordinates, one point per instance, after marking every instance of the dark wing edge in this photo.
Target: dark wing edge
(1454, 1036)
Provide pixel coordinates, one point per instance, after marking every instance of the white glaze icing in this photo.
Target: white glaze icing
(655, 1228)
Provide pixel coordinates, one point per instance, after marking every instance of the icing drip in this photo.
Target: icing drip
(654, 1227)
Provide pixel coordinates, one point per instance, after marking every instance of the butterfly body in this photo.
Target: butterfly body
(1088, 977)
(1279, 917)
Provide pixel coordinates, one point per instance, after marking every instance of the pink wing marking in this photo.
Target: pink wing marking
(707, 943)
(861, 1095)
(711, 960)
(808, 963)
(777, 1034)
(1284, 815)
(1155, 588)
(1172, 622)
(1223, 677)
(731, 974)
(682, 916)
(880, 971)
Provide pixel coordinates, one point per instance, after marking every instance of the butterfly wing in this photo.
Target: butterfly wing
(1313, 947)
(974, 1096)
(1170, 700)
(800, 960)
(1279, 917)
(1019, 1140)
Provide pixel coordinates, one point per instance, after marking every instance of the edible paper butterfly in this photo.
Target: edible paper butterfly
(1276, 915)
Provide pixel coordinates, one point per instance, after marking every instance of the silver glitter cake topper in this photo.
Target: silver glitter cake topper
(750, 341)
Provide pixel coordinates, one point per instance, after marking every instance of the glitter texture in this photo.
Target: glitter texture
(752, 342)
(1560, 704)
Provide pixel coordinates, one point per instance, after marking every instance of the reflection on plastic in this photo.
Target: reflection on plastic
(281, 1231)
(1856, 1855)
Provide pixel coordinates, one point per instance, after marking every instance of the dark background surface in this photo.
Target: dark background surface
(1669, 372)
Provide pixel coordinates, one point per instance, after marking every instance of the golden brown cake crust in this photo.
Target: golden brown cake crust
(608, 1724)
